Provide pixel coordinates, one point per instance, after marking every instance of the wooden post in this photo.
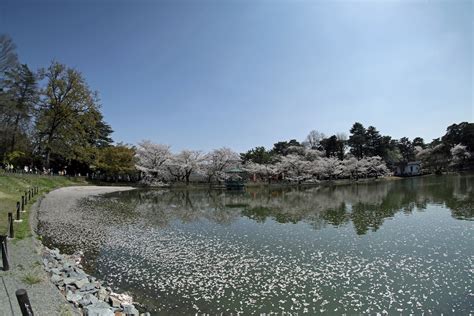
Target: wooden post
(22, 203)
(4, 250)
(26, 197)
(29, 194)
(11, 233)
(17, 211)
(24, 302)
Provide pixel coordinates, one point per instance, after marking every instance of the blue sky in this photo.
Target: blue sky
(207, 74)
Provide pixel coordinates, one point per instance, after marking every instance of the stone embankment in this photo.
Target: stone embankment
(83, 290)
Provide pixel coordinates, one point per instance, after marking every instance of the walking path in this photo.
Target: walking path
(26, 267)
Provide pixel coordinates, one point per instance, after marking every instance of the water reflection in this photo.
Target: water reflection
(181, 252)
(365, 205)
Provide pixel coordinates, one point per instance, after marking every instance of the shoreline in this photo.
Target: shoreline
(281, 184)
(84, 293)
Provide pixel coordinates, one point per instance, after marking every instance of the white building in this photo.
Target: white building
(406, 169)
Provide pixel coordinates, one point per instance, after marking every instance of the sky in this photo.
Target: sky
(207, 74)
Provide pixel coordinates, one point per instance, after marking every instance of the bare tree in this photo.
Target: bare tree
(313, 139)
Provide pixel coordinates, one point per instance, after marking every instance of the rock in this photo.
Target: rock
(67, 267)
(69, 280)
(103, 295)
(73, 297)
(70, 287)
(88, 299)
(79, 270)
(55, 271)
(55, 253)
(89, 287)
(80, 283)
(97, 310)
(124, 298)
(55, 278)
(74, 274)
(114, 301)
(130, 310)
(84, 290)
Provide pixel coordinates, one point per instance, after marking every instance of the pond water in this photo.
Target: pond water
(382, 247)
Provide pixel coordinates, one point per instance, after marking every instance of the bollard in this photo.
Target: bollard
(29, 194)
(17, 211)
(4, 251)
(24, 302)
(11, 233)
(22, 203)
(26, 197)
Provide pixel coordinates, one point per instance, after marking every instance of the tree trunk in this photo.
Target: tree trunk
(48, 158)
(15, 129)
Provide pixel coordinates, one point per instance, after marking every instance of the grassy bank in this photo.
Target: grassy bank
(12, 187)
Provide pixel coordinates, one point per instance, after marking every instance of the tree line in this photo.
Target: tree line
(51, 121)
(365, 153)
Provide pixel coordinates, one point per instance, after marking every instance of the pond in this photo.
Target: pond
(389, 246)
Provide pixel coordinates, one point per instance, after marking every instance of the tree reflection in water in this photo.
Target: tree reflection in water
(365, 205)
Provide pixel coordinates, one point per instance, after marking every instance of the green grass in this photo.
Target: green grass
(32, 278)
(12, 187)
(65, 310)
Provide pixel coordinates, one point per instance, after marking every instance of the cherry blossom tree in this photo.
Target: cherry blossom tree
(187, 162)
(294, 168)
(376, 167)
(152, 160)
(266, 172)
(329, 168)
(217, 162)
(460, 155)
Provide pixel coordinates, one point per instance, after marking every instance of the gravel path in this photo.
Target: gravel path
(54, 210)
(25, 261)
